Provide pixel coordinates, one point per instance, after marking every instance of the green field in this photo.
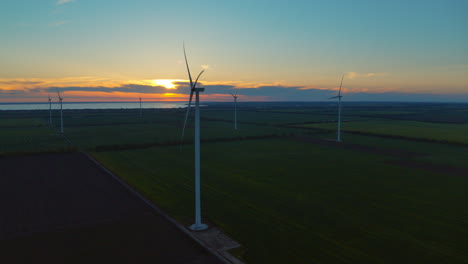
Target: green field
(394, 191)
(274, 118)
(290, 202)
(456, 133)
(18, 135)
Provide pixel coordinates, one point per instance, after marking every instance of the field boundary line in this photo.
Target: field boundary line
(401, 137)
(223, 256)
(105, 148)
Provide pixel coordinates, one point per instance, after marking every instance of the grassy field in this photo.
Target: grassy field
(456, 133)
(289, 194)
(274, 118)
(291, 202)
(90, 130)
(430, 152)
(27, 135)
(157, 133)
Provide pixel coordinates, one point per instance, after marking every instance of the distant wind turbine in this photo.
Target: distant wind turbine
(338, 139)
(197, 226)
(234, 95)
(140, 108)
(50, 111)
(61, 111)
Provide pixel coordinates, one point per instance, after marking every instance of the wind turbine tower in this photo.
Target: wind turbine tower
(50, 111)
(234, 95)
(338, 133)
(61, 111)
(198, 225)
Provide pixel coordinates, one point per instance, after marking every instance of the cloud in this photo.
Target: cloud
(406, 97)
(101, 89)
(125, 88)
(11, 92)
(313, 87)
(61, 2)
(351, 75)
(5, 84)
(354, 75)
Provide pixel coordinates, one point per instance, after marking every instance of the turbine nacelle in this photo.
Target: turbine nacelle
(339, 96)
(234, 94)
(58, 93)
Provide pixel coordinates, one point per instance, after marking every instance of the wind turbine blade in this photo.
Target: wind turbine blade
(58, 92)
(186, 116)
(188, 69)
(339, 92)
(196, 81)
(192, 90)
(333, 97)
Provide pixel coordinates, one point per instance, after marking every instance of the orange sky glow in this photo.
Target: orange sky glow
(95, 89)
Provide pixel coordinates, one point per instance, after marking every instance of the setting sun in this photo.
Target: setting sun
(168, 83)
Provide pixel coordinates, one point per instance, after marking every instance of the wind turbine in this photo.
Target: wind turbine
(50, 111)
(338, 139)
(235, 108)
(198, 225)
(140, 108)
(61, 111)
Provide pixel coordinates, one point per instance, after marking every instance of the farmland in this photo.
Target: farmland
(393, 192)
(455, 133)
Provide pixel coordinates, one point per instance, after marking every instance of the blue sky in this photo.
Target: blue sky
(416, 47)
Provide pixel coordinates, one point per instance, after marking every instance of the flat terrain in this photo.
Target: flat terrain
(455, 133)
(394, 191)
(61, 208)
(309, 202)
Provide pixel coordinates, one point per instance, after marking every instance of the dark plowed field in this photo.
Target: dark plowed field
(61, 208)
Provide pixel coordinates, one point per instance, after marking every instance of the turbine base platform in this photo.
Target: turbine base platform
(198, 227)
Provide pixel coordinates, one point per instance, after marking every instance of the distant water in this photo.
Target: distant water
(90, 105)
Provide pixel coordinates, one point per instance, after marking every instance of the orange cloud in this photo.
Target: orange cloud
(354, 75)
(313, 88)
(92, 89)
(81, 96)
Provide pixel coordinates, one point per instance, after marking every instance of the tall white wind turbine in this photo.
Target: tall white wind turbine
(61, 111)
(50, 111)
(234, 95)
(338, 133)
(198, 225)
